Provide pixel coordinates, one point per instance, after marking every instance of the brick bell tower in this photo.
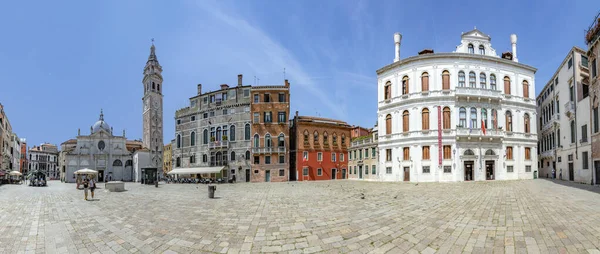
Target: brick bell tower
(153, 109)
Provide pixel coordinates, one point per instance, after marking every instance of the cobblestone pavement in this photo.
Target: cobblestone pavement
(534, 216)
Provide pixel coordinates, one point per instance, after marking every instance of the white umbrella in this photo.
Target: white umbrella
(86, 171)
(15, 173)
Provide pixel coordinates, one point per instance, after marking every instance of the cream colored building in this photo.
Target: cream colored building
(363, 157)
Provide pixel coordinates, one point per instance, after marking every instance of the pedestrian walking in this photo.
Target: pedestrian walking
(85, 188)
(92, 187)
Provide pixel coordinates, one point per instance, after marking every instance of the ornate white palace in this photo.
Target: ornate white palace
(460, 116)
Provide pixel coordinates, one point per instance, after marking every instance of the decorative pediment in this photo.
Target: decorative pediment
(476, 33)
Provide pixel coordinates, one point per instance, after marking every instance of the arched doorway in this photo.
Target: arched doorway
(469, 164)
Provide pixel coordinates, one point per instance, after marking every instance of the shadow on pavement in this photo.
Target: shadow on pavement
(587, 187)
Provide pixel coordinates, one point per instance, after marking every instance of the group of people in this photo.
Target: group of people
(88, 184)
(38, 182)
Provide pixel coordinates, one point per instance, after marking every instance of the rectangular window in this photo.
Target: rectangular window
(406, 153)
(178, 121)
(373, 170)
(305, 171)
(333, 157)
(281, 117)
(193, 118)
(447, 169)
(267, 159)
(527, 153)
(319, 156)
(388, 170)
(341, 157)
(282, 172)
(281, 97)
(212, 113)
(305, 155)
(350, 155)
(373, 152)
(594, 68)
(256, 160)
(509, 153)
(281, 159)
(205, 115)
(256, 98)
(570, 63)
(256, 118)
(595, 116)
(267, 117)
(572, 131)
(570, 157)
(584, 61)
(572, 93)
(447, 152)
(584, 160)
(388, 154)
(584, 133)
(509, 169)
(205, 99)
(360, 154)
(527, 169)
(319, 171)
(224, 112)
(425, 152)
(426, 169)
(246, 92)
(367, 153)
(267, 97)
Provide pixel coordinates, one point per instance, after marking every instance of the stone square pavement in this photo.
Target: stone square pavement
(529, 216)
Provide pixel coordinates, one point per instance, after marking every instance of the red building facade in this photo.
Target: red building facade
(320, 148)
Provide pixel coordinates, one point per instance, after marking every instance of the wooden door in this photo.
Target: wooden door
(407, 174)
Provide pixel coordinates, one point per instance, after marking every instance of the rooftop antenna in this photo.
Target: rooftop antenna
(254, 80)
(283, 73)
(152, 41)
(257, 81)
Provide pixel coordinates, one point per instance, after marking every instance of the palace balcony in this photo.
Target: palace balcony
(218, 144)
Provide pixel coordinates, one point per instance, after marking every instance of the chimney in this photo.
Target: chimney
(287, 83)
(199, 89)
(397, 39)
(224, 86)
(513, 42)
(296, 113)
(239, 79)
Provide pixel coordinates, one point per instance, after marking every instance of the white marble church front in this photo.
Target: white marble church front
(101, 151)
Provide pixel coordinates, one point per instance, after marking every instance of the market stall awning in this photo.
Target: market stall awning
(15, 173)
(86, 171)
(191, 171)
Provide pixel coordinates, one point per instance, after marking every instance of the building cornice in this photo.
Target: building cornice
(457, 56)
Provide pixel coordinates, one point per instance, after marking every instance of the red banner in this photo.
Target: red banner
(439, 135)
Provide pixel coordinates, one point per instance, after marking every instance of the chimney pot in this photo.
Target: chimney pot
(513, 41)
(240, 79)
(287, 83)
(199, 89)
(397, 40)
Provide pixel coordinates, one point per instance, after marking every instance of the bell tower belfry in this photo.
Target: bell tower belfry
(153, 109)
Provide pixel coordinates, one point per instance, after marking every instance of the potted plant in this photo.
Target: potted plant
(212, 139)
(224, 137)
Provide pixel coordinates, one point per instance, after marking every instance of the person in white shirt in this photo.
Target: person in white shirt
(92, 187)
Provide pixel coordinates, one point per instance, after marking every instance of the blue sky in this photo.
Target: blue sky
(62, 61)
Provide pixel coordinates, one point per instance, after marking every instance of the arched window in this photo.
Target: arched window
(178, 141)
(425, 82)
(256, 140)
(405, 85)
(316, 137)
(493, 82)
(495, 118)
(527, 129)
(117, 163)
(334, 140)
(508, 121)
(484, 117)
(471, 49)
(153, 87)
(595, 114)
(482, 80)
(388, 124)
(281, 140)
(469, 152)
(461, 78)
(158, 87)
(232, 158)
(306, 136)
(558, 139)
(472, 80)
(205, 136)
(387, 94)
(481, 50)
(247, 155)
(506, 85)
(425, 119)
(490, 152)
(462, 117)
(405, 116)
(192, 159)
(268, 140)
(525, 89)
(204, 158)
(473, 118)
(193, 138)
(218, 138)
(343, 139)
(446, 118)
(178, 162)
(445, 80)
(232, 133)
(247, 132)
(325, 140)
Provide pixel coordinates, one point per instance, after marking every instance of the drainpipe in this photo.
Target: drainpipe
(575, 107)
